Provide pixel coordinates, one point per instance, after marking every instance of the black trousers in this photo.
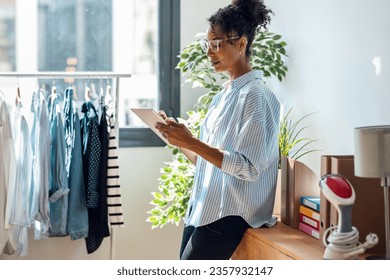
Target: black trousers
(215, 241)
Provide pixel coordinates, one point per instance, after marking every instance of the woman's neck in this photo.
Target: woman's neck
(239, 70)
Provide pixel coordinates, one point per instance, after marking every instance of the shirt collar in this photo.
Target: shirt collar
(243, 79)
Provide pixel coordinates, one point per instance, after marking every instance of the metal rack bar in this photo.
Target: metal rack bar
(79, 75)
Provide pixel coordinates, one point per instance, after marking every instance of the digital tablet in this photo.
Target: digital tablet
(150, 117)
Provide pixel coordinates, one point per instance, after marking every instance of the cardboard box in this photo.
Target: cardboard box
(297, 179)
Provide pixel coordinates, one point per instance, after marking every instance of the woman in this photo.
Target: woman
(236, 155)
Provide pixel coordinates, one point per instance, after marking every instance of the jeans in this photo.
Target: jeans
(77, 226)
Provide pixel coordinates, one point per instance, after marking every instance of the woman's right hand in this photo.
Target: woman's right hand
(189, 154)
(165, 117)
(162, 114)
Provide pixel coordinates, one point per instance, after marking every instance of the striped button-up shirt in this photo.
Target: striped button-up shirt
(242, 121)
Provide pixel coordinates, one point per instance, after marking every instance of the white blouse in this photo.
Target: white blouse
(18, 204)
(7, 171)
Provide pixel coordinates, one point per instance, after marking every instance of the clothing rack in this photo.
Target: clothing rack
(80, 75)
(59, 74)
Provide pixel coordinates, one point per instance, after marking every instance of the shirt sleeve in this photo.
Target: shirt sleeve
(254, 142)
(248, 159)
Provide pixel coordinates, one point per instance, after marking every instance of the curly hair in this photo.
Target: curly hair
(242, 17)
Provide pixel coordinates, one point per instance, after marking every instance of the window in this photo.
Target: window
(140, 37)
(168, 79)
(75, 35)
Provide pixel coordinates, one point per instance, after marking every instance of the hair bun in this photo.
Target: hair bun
(245, 5)
(254, 10)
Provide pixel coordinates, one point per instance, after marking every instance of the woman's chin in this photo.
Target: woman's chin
(218, 68)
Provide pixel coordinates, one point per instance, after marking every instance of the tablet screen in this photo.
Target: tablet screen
(150, 117)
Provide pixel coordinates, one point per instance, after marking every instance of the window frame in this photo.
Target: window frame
(168, 77)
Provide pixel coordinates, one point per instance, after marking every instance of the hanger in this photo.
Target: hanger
(108, 89)
(101, 94)
(72, 86)
(74, 93)
(18, 99)
(53, 94)
(38, 80)
(87, 92)
(108, 97)
(93, 95)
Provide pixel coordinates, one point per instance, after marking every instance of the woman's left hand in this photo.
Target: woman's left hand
(176, 133)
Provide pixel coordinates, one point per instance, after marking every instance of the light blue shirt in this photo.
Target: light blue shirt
(242, 121)
(40, 141)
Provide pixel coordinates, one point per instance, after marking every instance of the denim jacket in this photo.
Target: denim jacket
(77, 226)
(59, 189)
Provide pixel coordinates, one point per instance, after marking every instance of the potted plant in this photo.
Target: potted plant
(175, 183)
(291, 145)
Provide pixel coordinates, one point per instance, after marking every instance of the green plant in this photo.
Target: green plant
(290, 143)
(175, 183)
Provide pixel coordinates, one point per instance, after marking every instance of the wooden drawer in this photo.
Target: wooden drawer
(280, 242)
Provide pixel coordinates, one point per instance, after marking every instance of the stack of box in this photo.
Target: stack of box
(309, 215)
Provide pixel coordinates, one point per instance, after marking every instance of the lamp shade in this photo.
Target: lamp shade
(372, 151)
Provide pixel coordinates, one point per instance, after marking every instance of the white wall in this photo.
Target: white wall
(331, 47)
(194, 15)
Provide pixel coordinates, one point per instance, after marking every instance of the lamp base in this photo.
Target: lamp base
(376, 257)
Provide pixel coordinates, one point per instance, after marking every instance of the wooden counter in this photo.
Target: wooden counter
(280, 242)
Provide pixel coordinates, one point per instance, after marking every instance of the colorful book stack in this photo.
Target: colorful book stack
(309, 215)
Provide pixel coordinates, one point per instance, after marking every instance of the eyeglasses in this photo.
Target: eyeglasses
(205, 44)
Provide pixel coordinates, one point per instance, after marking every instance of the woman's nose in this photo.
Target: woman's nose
(209, 51)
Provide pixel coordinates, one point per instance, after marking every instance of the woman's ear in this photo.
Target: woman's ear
(242, 44)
